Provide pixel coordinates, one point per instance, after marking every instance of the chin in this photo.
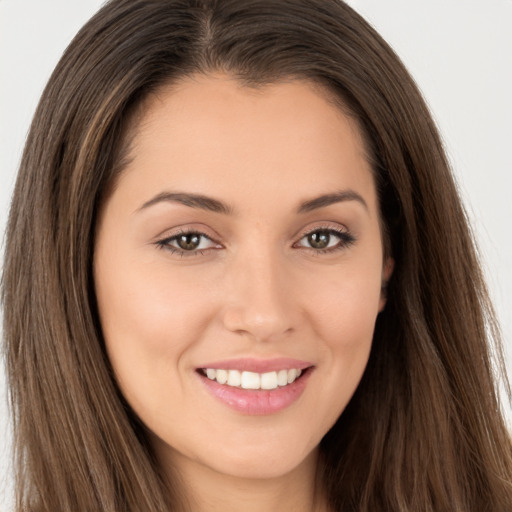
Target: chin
(261, 463)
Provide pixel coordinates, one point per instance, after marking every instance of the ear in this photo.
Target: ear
(387, 271)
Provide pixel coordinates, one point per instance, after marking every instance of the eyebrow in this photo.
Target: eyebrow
(214, 205)
(328, 199)
(193, 200)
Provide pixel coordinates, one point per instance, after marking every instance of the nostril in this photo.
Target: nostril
(260, 327)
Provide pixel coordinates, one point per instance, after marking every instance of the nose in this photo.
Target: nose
(259, 299)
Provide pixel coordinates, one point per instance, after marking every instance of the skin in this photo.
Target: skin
(256, 288)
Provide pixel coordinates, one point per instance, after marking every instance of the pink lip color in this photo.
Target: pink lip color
(257, 402)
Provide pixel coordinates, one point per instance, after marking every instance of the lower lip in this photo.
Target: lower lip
(258, 402)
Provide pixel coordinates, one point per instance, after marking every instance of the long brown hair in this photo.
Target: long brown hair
(423, 432)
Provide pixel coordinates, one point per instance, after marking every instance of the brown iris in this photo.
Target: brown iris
(189, 241)
(319, 239)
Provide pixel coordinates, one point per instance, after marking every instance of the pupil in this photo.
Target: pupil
(319, 239)
(188, 242)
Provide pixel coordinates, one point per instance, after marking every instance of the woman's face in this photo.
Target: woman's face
(238, 269)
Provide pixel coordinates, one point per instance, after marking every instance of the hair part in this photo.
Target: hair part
(423, 431)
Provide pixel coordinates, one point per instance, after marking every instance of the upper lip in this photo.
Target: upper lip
(258, 365)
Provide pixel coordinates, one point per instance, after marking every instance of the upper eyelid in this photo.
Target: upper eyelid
(325, 227)
(169, 234)
(300, 234)
(174, 236)
(336, 229)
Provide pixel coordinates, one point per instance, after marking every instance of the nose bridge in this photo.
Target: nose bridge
(258, 301)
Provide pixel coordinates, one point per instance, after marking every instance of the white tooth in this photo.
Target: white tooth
(250, 380)
(222, 376)
(292, 375)
(234, 378)
(282, 377)
(269, 380)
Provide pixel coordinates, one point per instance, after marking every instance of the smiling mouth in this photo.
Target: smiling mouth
(252, 380)
(277, 387)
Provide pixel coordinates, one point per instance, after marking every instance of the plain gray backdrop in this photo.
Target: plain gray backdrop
(459, 52)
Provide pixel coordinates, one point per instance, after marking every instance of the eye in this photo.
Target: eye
(188, 243)
(326, 240)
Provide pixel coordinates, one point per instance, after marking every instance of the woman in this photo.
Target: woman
(250, 281)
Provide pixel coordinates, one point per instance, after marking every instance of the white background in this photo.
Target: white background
(459, 51)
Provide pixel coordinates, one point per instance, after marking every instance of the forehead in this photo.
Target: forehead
(222, 98)
(214, 134)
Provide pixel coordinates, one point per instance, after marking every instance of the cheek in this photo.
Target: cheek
(138, 296)
(343, 314)
(347, 331)
(344, 305)
(149, 321)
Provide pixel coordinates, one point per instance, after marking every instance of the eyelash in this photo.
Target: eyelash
(346, 239)
(165, 243)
